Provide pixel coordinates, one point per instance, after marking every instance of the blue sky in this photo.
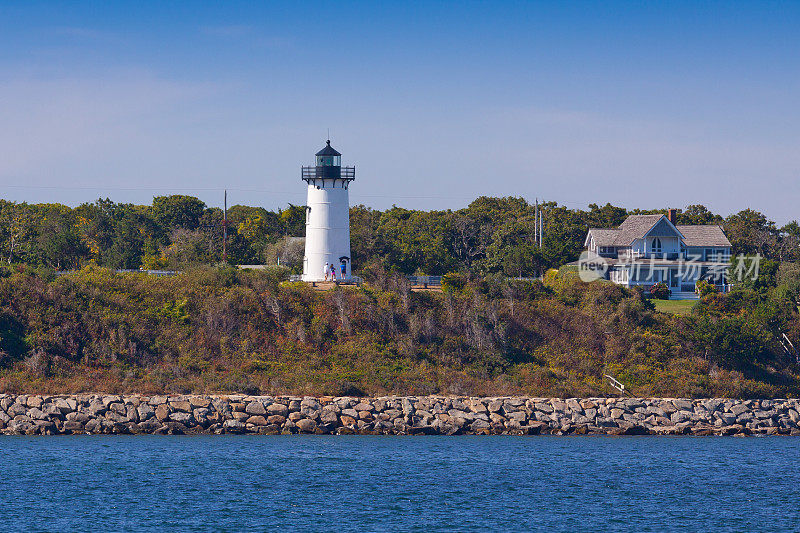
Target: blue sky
(640, 104)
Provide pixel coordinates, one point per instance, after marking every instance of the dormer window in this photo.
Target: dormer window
(656, 245)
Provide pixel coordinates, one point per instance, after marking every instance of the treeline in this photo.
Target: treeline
(491, 235)
(223, 329)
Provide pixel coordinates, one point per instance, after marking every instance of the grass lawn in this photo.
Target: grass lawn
(676, 307)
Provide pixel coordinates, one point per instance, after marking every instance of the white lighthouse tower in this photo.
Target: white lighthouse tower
(327, 216)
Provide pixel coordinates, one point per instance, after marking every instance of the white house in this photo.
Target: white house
(648, 249)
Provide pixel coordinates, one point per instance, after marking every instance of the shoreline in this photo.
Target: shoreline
(392, 415)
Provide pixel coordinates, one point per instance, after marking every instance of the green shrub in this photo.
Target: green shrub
(660, 291)
(704, 288)
(453, 282)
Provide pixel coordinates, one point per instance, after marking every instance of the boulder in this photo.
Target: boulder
(328, 417)
(181, 417)
(277, 409)
(197, 402)
(255, 408)
(306, 425)
(34, 401)
(181, 405)
(234, 426)
(257, 420)
(276, 419)
(145, 411)
(65, 405)
(162, 412)
(495, 406)
(73, 426)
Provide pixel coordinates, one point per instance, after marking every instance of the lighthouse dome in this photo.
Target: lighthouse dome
(328, 150)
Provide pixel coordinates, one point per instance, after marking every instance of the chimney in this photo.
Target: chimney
(672, 216)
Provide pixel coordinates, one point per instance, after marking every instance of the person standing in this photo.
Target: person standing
(333, 272)
(327, 268)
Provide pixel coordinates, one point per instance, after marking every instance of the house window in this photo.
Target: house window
(656, 245)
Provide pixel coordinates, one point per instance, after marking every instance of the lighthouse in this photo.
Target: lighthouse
(327, 216)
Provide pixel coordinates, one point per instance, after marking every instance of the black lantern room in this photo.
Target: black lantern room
(329, 166)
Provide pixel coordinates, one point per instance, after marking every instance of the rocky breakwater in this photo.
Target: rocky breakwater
(219, 414)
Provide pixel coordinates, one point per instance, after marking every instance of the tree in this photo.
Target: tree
(17, 230)
(750, 232)
(608, 216)
(294, 220)
(58, 244)
(698, 214)
(178, 211)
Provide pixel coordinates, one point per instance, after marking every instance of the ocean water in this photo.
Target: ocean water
(350, 483)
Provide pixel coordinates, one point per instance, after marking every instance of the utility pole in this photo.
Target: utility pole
(225, 229)
(541, 225)
(536, 224)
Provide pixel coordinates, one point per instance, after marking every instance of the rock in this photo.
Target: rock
(329, 417)
(479, 424)
(306, 425)
(197, 402)
(255, 408)
(149, 426)
(276, 420)
(477, 406)
(145, 411)
(408, 407)
(495, 406)
(37, 414)
(34, 401)
(234, 426)
(574, 406)
(350, 412)
(108, 400)
(162, 412)
(115, 418)
(181, 417)
(739, 408)
(518, 416)
(294, 417)
(257, 420)
(157, 400)
(65, 405)
(277, 409)
(73, 426)
(78, 417)
(181, 405)
(683, 405)
(347, 420)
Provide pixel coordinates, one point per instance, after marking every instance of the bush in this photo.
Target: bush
(660, 291)
(704, 288)
(453, 282)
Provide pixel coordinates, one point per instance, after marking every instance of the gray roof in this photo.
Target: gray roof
(637, 226)
(603, 236)
(704, 235)
(328, 149)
